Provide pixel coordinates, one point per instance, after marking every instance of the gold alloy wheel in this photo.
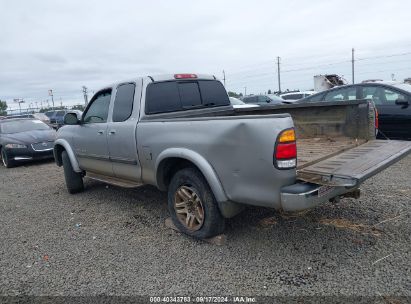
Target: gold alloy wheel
(189, 208)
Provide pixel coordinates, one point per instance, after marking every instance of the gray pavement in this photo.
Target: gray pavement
(113, 241)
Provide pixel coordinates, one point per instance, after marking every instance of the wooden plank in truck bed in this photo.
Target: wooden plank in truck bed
(312, 150)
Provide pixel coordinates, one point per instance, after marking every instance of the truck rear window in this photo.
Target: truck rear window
(170, 96)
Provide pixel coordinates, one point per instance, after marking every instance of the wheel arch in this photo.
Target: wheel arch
(61, 145)
(174, 159)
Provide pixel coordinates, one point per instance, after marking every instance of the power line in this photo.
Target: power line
(316, 66)
(361, 64)
(382, 71)
(384, 56)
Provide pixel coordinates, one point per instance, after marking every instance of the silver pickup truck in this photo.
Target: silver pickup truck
(180, 133)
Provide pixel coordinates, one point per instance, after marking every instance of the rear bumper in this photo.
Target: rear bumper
(302, 195)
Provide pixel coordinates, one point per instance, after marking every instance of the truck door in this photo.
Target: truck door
(122, 132)
(90, 142)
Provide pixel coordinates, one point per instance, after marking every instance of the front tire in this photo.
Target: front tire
(193, 208)
(74, 180)
(5, 160)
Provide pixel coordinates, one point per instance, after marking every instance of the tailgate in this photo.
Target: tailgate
(352, 167)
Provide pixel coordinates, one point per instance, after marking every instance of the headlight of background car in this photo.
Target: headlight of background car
(16, 146)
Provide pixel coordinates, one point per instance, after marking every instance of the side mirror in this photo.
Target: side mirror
(401, 102)
(71, 119)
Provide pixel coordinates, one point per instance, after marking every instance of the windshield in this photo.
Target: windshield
(18, 126)
(404, 86)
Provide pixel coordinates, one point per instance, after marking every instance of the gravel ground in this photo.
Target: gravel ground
(113, 241)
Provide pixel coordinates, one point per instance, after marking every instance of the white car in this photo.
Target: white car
(296, 95)
(239, 104)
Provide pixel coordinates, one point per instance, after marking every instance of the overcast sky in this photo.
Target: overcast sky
(63, 45)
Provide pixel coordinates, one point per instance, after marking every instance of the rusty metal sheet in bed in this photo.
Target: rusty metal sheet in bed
(353, 166)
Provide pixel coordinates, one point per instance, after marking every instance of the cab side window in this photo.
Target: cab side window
(123, 104)
(98, 109)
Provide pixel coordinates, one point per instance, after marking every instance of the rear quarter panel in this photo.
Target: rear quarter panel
(239, 149)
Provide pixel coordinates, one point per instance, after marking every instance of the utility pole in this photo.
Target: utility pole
(224, 77)
(85, 95)
(279, 77)
(52, 97)
(352, 64)
(61, 103)
(19, 101)
(245, 91)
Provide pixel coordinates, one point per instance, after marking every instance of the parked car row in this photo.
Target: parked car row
(57, 117)
(263, 99)
(40, 116)
(53, 118)
(296, 95)
(270, 99)
(30, 137)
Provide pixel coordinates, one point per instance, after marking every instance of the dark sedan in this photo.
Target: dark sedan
(393, 102)
(24, 139)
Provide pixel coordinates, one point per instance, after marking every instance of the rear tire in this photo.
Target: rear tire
(193, 208)
(74, 180)
(5, 160)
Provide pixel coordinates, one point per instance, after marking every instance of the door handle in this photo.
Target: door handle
(112, 132)
(101, 132)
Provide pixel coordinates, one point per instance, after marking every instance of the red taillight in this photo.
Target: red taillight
(286, 151)
(184, 76)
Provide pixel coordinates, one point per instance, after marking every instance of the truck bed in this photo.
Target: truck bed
(312, 150)
(336, 143)
(324, 130)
